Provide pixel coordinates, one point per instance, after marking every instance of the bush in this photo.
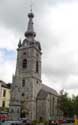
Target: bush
(35, 122)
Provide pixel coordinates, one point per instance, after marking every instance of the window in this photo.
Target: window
(23, 82)
(37, 82)
(24, 64)
(53, 105)
(37, 67)
(22, 94)
(4, 93)
(3, 104)
(18, 110)
(12, 110)
(24, 53)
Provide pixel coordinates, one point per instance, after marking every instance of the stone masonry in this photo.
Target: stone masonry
(28, 94)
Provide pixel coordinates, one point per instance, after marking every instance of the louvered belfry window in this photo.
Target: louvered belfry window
(24, 64)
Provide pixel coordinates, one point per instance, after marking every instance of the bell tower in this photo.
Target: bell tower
(27, 79)
(29, 53)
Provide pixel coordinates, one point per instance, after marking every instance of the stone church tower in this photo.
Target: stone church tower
(27, 78)
(29, 97)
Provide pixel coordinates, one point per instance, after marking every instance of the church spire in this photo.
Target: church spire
(30, 30)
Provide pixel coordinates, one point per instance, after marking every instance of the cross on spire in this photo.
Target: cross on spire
(30, 29)
(31, 6)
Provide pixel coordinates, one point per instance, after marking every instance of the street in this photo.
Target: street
(68, 124)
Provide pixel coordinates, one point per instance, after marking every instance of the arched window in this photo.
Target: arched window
(37, 68)
(22, 94)
(23, 82)
(3, 104)
(24, 53)
(18, 110)
(12, 111)
(53, 105)
(24, 64)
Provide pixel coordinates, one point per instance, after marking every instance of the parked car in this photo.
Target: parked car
(26, 121)
(11, 123)
(3, 116)
(61, 121)
(53, 122)
(70, 120)
(57, 122)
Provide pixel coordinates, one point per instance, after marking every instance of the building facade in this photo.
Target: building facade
(28, 94)
(4, 96)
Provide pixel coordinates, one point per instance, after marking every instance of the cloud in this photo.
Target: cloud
(8, 39)
(13, 13)
(62, 57)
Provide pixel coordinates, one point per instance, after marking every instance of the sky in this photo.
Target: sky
(56, 26)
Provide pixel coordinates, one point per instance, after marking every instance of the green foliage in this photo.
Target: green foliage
(75, 104)
(69, 106)
(45, 122)
(35, 122)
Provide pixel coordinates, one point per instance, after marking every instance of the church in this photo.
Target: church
(31, 98)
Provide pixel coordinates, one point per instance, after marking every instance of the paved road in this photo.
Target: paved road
(68, 124)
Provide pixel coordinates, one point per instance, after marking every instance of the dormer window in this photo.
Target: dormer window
(24, 64)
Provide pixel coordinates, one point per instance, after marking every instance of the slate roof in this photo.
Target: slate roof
(49, 90)
(3, 84)
(42, 94)
(45, 90)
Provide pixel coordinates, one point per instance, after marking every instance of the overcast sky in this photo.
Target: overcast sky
(56, 25)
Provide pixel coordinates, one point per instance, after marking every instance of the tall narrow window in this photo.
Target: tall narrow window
(12, 111)
(3, 104)
(23, 82)
(24, 64)
(4, 93)
(37, 68)
(53, 105)
(22, 94)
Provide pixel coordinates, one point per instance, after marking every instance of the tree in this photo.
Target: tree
(65, 104)
(75, 104)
